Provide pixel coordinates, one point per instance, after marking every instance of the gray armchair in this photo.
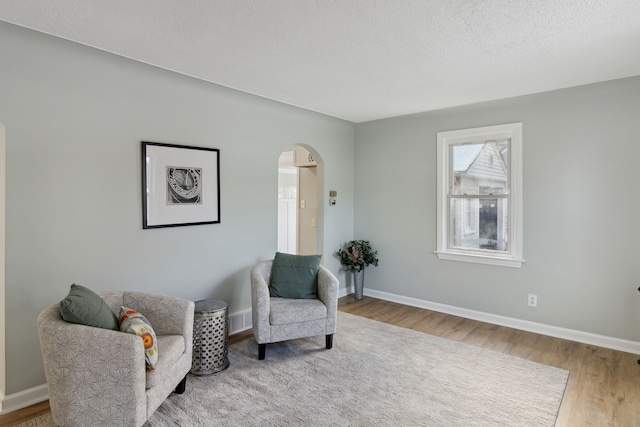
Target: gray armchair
(281, 319)
(98, 377)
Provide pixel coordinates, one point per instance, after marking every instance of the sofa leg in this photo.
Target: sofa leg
(182, 386)
(262, 351)
(329, 341)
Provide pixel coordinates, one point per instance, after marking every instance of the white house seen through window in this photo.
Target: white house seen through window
(480, 195)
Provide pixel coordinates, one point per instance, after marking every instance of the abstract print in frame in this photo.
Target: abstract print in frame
(180, 185)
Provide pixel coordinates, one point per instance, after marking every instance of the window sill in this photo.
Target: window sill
(480, 259)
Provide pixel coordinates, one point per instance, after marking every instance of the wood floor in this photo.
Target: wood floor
(603, 387)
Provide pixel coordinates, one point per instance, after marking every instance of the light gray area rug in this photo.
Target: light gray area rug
(376, 374)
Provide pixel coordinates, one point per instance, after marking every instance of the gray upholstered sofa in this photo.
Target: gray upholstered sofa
(281, 319)
(97, 377)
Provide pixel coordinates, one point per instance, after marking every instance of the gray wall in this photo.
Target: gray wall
(581, 209)
(75, 117)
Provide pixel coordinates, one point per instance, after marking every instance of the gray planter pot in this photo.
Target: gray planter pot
(358, 283)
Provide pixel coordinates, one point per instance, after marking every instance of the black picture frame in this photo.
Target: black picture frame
(180, 185)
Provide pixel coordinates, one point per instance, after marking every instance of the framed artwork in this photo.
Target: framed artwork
(180, 185)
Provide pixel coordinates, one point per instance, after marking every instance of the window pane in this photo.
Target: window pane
(481, 169)
(479, 193)
(480, 224)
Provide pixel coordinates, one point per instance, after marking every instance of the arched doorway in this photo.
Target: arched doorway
(300, 206)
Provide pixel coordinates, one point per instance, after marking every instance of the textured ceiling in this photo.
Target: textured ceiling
(359, 60)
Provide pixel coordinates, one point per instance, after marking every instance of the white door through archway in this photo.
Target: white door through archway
(299, 202)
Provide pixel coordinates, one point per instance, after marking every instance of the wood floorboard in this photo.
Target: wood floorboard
(459, 329)
(603, 387)
(22, 415)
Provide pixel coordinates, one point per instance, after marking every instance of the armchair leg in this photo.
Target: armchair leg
(262, 351)
(181, 386)
(329, 341)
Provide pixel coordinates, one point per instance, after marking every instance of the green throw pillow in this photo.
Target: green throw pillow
(294, 276)
(85, 307)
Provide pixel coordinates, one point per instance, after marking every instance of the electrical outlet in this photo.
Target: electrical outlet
(532, 300)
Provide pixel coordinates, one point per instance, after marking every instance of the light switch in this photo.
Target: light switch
(333, 193)
(302, 204)
(313, 222)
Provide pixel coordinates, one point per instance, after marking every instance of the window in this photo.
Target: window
(480, 195)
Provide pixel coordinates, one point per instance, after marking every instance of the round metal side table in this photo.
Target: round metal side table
(210, 337)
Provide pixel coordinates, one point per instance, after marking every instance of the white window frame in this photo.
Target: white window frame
(513, 131)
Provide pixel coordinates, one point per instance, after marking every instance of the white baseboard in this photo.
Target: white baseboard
(524, 325)
(346, 291)
(240, 321)
(24, 398)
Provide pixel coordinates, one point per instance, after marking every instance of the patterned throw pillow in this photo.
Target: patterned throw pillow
(135, 323)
